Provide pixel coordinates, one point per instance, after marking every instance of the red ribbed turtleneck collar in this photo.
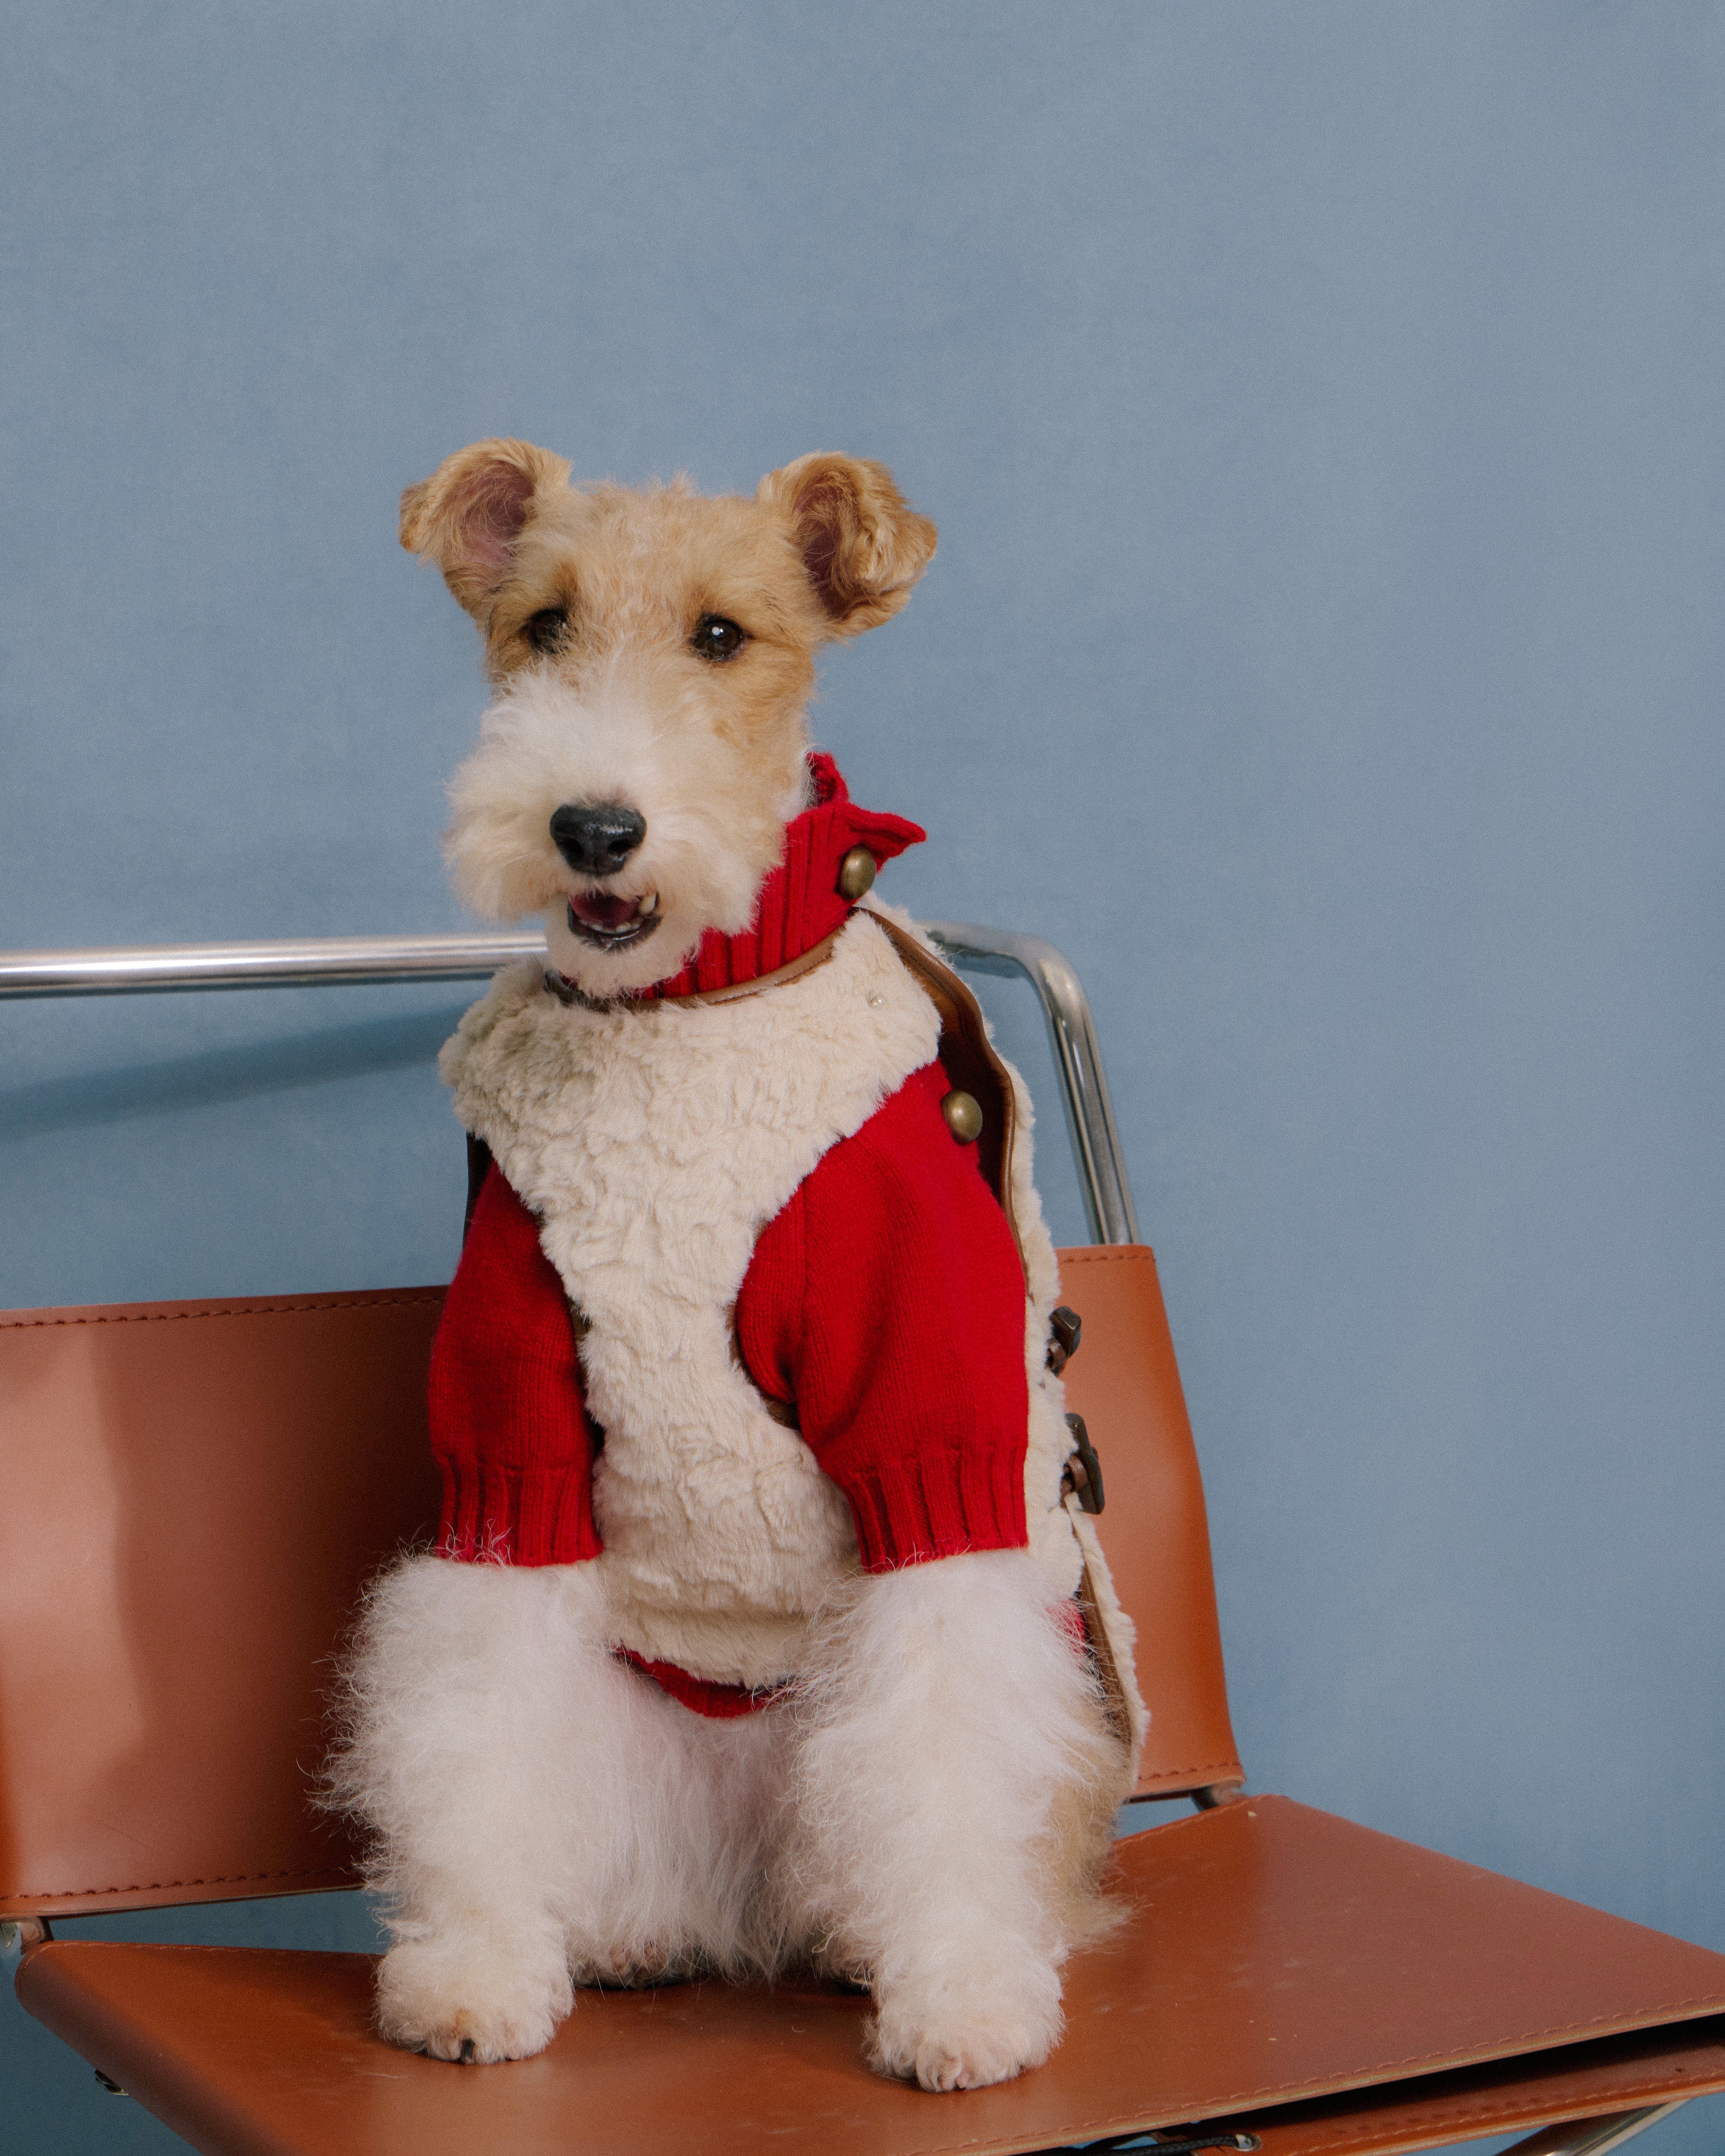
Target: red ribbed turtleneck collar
(800, 900)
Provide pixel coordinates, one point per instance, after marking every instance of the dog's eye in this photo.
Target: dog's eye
(715, 638)
(547, 628)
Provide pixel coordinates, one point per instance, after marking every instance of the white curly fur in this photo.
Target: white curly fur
(926, 1812)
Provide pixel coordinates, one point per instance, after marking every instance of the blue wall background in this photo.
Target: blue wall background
(1322, 407)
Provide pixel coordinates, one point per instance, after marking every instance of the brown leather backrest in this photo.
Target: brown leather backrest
(1125, 1382)
(192, 1494)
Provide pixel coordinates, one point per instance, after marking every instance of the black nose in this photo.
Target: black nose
(597, 841)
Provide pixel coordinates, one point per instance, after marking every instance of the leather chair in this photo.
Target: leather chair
(195, 1492)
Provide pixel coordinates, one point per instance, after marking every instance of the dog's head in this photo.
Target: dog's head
(652, 656)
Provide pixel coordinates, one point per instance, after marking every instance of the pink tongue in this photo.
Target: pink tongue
(598, 909)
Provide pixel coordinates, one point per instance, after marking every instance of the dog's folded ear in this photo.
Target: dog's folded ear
(862, 544)
(468, 516)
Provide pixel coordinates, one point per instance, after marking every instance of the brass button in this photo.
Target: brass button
(964, 1117)
(856, 872)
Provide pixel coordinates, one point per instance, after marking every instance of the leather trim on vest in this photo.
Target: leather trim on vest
(970, 1060)
(817, 954)
(792, 969)
(1102, 1653)
(968, 1057)
(479, 1166)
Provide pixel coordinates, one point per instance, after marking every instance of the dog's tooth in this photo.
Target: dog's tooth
(647, 904)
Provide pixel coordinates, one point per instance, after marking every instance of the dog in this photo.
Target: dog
(749, 1641)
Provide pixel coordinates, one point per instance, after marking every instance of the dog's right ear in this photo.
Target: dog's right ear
(862, 544)
(468, 516)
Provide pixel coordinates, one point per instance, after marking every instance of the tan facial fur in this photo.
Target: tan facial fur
(616, 706)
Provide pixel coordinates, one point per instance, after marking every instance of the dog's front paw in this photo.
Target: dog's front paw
(477, 2003)
(969, 2031)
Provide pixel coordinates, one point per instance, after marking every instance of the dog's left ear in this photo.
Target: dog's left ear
(468, 516)
(862, 544)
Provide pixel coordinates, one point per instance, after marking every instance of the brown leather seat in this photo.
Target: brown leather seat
(195, 1493)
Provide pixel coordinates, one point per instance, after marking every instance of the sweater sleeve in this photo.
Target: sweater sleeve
(509, 1424)
(886, 1299)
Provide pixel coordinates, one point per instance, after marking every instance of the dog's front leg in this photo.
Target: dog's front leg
(483, 1750)
(954, 1764)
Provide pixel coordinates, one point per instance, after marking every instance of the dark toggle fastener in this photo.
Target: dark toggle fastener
(1083, 1470)
(1067, 1327)
(112, 2087)
(964, 1116)
(856, 872)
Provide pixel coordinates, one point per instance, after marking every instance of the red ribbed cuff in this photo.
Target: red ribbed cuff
(934, 1505)
(505, 1515)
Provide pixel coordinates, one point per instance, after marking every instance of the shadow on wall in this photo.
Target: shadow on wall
(215, 1077)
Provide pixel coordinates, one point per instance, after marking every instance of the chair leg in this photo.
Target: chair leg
(1593, 2137)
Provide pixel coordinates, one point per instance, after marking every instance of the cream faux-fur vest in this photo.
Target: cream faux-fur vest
(654, 1142)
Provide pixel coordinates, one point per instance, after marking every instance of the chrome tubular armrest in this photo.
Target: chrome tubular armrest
(161, 969)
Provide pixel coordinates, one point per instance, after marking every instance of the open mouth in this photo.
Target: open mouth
(611, 923)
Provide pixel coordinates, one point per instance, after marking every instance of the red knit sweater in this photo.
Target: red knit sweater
(885, 1299)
